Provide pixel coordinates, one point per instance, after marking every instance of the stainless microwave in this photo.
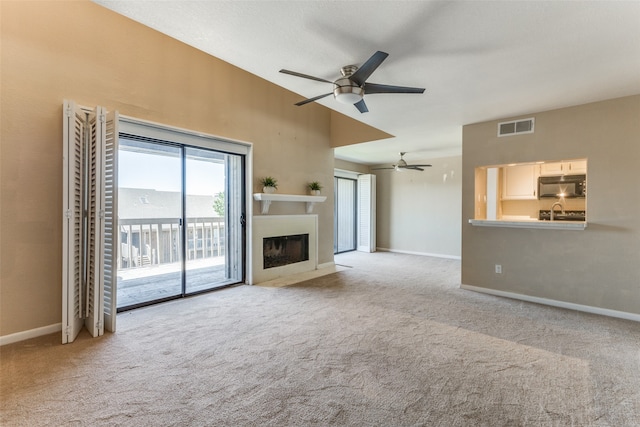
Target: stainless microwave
(562, 186)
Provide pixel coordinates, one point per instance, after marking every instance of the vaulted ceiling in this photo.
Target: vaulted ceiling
(477, 60)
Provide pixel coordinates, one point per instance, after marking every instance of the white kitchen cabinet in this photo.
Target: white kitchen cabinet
(576, 167)
(520, 182)
(573, 167)
(547, 169)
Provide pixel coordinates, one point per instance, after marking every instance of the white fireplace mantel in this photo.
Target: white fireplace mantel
(266, 199)
(264, 226)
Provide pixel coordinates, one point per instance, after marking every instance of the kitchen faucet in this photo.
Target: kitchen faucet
(553, 206)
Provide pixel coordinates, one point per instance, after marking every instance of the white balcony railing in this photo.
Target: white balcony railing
(156, 241)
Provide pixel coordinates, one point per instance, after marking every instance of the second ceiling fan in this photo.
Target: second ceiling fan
(402, 164)
(352, 86)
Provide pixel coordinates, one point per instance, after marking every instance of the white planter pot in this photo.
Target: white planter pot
(269, 190)
(314, 192)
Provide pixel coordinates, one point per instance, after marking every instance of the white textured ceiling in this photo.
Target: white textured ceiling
(478, 60)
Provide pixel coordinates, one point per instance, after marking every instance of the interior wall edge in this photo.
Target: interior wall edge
(593, 268)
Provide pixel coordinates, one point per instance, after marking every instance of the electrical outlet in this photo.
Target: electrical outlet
(498, 269)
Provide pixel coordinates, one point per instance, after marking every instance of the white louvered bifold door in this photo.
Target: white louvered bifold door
(367, 213)
(90, 140)
(95, 214)
(72, 271)
(110, 221)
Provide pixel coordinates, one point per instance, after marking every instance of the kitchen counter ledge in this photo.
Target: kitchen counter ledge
(533, 223)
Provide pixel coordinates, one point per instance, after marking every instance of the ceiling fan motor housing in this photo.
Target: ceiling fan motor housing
(346, 91)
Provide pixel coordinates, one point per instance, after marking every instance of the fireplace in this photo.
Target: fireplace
(283, 250)
(283, 245)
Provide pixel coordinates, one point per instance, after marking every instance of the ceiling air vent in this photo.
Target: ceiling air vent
(515, 127)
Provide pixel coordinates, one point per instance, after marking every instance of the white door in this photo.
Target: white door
(110, 250)
(74, 123)
(94, 315)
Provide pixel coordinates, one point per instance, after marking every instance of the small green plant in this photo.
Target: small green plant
(314, 185)
(269, 181)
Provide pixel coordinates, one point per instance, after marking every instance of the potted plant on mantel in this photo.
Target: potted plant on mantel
(269, 184)
(314, 188)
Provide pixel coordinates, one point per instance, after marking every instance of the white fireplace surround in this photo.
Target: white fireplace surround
(282, 225)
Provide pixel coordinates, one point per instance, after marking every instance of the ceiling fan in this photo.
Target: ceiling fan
(352, 86)
(402, 164)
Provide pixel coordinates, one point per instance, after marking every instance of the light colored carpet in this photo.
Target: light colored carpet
(389, 341)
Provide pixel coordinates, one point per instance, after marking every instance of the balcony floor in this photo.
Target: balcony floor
(154, 282)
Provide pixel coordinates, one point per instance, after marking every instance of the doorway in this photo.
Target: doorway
(180, 220)
(345, 202)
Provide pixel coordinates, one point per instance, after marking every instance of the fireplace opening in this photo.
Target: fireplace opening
(284, 250)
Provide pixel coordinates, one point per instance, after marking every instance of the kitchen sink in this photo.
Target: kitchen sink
(545, 215)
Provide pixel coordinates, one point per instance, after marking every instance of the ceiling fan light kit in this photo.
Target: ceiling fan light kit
(352, 87)
(346, 93)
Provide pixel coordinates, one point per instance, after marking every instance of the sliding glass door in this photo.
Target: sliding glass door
(213, 183)
(177, 232)
(344, 238)
(149, 219)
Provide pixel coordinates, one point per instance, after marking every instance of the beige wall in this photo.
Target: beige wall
(350, 166)
(596, 267)
(419, 212)
(81, 51)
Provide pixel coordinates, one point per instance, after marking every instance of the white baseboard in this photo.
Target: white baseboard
(420, 253)
(31, 333)
(555, 303)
